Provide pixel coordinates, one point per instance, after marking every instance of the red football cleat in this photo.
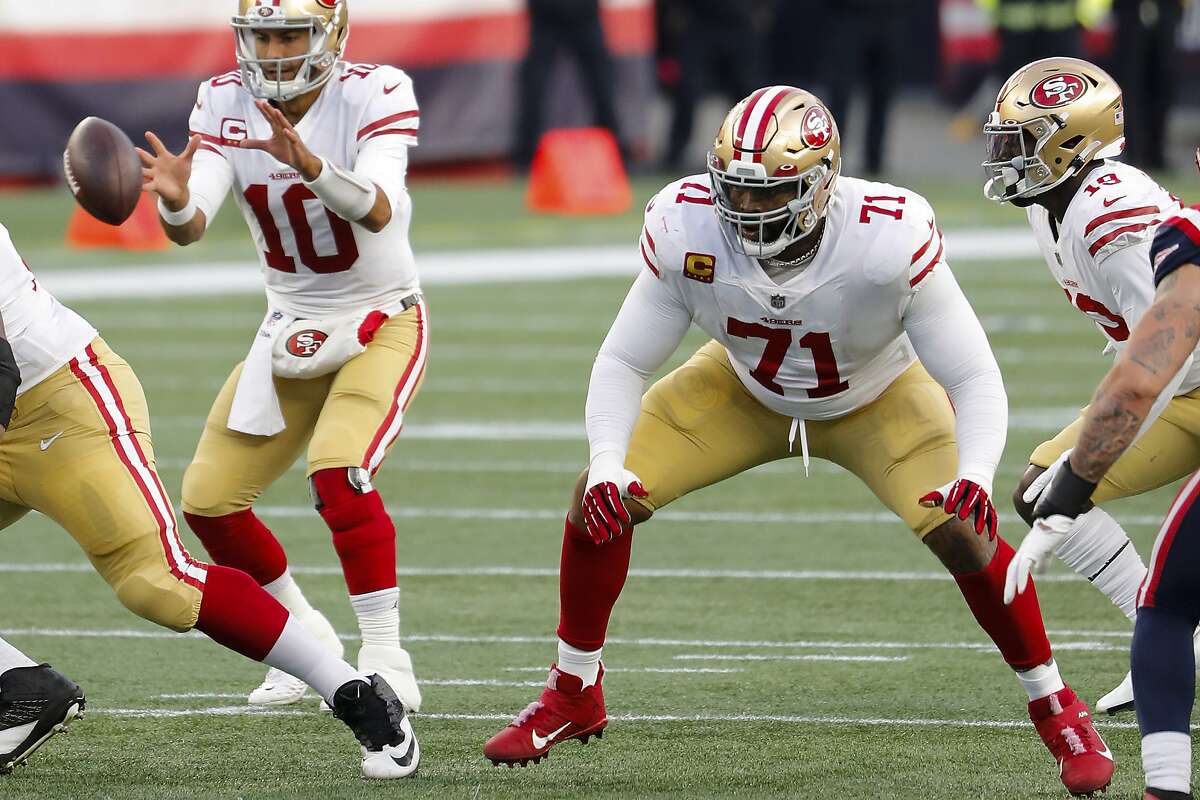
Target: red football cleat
(1085, 763)
(565, 711)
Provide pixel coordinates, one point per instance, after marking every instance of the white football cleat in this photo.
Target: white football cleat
(376, 716)
(1119, 699)
(394, 664)
(281, 689)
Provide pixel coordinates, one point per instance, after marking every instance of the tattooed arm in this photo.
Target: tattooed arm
(1160, 345)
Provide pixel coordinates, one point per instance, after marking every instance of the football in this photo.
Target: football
(103, 170)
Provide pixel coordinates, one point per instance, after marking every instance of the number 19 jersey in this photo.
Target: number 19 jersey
(315, 263)
(830, 339)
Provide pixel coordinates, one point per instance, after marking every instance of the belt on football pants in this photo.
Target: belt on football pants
(409, 301)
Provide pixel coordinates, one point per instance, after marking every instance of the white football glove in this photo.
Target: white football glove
(1035, 552)
(609, 483)
(1035, 489)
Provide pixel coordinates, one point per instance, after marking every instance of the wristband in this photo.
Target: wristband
(343, 192)
(10, 379)
(1067, 495)
(177, 219)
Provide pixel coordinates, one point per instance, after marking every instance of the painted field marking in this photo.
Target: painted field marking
(791, 657)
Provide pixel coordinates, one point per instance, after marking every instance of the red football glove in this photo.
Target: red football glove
(962, 498)
(604, 511)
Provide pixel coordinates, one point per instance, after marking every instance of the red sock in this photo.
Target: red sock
(241, 541)
(590, 579)
(363, 533)
(238, 613)
(1016, 629)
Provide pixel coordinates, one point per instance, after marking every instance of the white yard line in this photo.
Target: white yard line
(664, 670)
(552, 572)
(787, 719)
(792, 657)
(449, 268)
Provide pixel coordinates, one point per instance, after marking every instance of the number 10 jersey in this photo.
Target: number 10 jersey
(315, 263)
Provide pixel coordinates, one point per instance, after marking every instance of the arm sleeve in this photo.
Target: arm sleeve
(648, 329)
(212, 174)
(950, 342)
(384, 162)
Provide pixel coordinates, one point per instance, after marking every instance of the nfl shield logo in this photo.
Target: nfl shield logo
(778, 301)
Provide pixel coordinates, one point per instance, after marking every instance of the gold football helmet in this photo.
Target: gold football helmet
(776, 137)
(328, 26)
(1052, 118)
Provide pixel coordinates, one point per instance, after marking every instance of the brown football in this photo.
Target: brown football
(103, 170)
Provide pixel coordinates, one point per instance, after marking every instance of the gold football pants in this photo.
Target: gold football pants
(1166, 452)
(699, 425)
(78, 450)
(349, 418)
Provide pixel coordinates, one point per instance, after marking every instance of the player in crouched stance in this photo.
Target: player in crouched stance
(1158, 351)
(1053, 138)
(75, 445)
(316, 152)
(835, 322)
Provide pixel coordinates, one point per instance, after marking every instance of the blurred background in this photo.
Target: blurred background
(909, 80)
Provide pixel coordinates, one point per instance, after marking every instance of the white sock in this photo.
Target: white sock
(298, 653)
(1099, 550)
(285, 590)
(1041, 681)
(11, 658)
(1167, 760)
(583, 664)
(378, 616)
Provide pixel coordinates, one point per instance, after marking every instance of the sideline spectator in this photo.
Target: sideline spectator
(572, 26)
(1144, 65)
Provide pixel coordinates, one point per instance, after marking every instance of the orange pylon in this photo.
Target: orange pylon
(140, 232)
(578, 171)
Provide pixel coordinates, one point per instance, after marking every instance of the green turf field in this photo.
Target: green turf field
(780, 637)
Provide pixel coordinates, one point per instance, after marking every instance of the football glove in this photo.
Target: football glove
(1067, 496)
(962, 498)
(604, 511)
(1039, 484)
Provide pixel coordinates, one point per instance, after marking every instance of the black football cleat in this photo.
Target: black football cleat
(376, 716)
(35, 704)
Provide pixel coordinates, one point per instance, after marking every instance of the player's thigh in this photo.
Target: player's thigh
(84, 458)
(901, 446)
(1166, 452)
(231, 469)
(698, 426)
(369, 396)
(1174, 562)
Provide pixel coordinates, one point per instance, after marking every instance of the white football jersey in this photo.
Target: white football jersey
(831, 338)
(1100, 253)
(316, 264)
(44, 334)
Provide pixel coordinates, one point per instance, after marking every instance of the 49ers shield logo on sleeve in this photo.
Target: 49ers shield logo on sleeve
(1058, 90)
(817, 127)
(305, 344)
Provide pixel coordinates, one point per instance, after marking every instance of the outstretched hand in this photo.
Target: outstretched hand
(166, 174)
(285, 144)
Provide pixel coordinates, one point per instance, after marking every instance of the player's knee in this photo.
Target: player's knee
(338, 485)
(154, 594)
(959, 548)
(204, 491)
(1024, 508)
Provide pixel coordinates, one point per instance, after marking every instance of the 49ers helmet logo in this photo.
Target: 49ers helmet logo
(817, 127)
(1058, 90)
(305, 344)
(327, 3)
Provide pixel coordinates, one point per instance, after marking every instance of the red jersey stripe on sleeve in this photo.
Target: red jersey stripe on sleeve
(649, 261)
(933, 262)
(383, 123)
(932, 235)
(649, 240)
(1185, 225)
(410, 132)
(1114, 215)
(1100, 243)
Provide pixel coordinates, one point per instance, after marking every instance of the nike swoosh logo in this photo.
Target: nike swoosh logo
(1107, 753)
(540, 742)
(1108, 203)
(45, 444)
(406, 760)
(390, 89)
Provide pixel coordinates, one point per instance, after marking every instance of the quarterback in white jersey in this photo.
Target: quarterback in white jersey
(1062, 121)
(75, 446)
(838, 332)
(315, 152)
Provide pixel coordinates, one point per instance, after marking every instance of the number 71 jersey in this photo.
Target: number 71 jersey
(830, 339)
(315, 263)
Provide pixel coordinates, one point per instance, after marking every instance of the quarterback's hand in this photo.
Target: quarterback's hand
(1035, 553)
(604, 510)
(1039, 484)
(166, 174)
(285, 145)
(962, 498)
